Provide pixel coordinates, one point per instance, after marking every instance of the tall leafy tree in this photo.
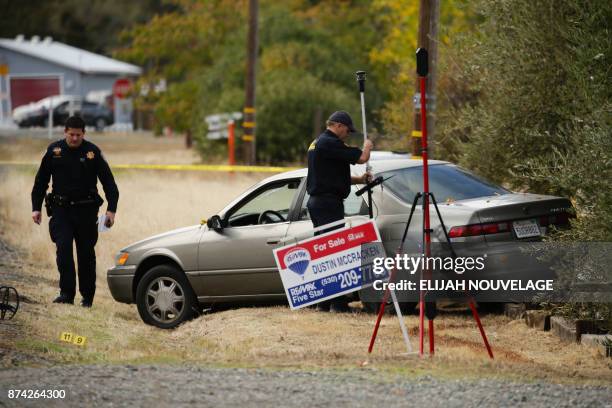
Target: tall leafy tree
(540, 71)
(308, 54)
(539, 118)
(393, 57)
(176, 49)
(93, 25)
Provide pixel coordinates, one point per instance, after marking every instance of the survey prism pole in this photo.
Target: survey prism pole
(361, 78)
(422, 71)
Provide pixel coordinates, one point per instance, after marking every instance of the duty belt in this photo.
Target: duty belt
(58, 200)
(328, 195)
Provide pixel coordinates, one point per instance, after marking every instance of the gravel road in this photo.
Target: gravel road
(175, 386)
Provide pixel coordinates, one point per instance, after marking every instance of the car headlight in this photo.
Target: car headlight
(122, 258)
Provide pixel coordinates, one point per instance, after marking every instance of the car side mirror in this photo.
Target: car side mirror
(215, 223)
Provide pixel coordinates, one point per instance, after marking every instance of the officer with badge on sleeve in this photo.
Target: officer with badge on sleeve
(75, 165)
(329, 179)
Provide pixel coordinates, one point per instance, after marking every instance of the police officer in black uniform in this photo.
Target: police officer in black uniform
(75, 165)
(329, 178)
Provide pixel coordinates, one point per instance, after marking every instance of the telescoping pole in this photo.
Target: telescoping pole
(422, 71)
(361, 78)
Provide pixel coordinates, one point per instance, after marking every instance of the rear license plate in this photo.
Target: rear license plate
(526, 228)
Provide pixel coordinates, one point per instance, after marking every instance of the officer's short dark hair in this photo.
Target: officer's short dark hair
(75, 122)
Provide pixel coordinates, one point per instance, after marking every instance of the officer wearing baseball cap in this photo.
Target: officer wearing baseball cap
(329, 177)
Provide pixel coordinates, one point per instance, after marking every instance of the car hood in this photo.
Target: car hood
(159, 238)
(21, 112)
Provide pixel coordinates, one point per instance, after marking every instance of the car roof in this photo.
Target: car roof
(378, 166)
(382, 165)
(387, 154)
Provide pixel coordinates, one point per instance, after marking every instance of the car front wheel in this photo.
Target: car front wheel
(165, 298)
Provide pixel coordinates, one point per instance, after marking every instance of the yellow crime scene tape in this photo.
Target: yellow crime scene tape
(180, 167)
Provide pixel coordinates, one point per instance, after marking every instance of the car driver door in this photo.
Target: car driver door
(238, 261)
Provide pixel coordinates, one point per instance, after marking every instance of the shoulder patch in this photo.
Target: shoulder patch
(57, 151)
(312, 146)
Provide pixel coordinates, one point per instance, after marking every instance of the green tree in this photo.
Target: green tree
(539, 115)
(540, 71)
(393, 57)
(178, 48)
(308, 54)
(93, 25)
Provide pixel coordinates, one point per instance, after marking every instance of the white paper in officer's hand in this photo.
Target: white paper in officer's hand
(102, 223)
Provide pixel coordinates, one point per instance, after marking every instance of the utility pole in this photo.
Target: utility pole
(429, 13)
(249, 109)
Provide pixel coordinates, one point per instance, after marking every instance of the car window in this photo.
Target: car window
(274, 200)
(63, 107)
(70, 106)
(446, 182)
(353, 205)
(89, 107)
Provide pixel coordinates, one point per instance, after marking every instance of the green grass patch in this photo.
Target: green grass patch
(40, 346)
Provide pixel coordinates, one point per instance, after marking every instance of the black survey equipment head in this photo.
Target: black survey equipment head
(361, 77)
(422, 66)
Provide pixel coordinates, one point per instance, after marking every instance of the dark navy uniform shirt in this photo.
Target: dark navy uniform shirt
(329, 173)
(75, 173)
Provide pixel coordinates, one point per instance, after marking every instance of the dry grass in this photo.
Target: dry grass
(119, 148)
(152, 202)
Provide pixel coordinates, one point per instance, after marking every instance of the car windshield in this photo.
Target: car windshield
(447, 183)
(274, 199)
(56, 100)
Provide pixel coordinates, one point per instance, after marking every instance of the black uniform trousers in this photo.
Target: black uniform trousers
(78, 224)
(324, 210)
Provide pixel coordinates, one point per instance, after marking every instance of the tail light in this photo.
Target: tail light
(478, 229)
(504, 226)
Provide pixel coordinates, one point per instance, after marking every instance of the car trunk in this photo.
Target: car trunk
(514, 216)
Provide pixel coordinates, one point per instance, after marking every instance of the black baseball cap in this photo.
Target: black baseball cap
(344, 118)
